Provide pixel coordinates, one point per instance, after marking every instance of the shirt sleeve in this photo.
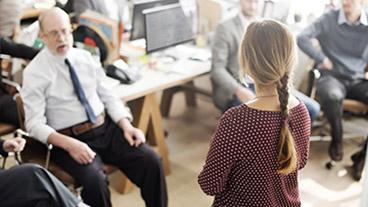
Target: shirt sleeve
(115, 107)
(365, 55)
(313, 31)
(224, 152)
(33, 94)
(220, 52)
(304, 125)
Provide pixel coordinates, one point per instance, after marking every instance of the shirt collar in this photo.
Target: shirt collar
(246, 20)
(342, 19)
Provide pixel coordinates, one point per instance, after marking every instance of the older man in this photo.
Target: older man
(343, 37)
(65, 101)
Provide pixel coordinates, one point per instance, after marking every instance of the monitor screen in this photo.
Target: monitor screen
(137, 31)
(166, 26)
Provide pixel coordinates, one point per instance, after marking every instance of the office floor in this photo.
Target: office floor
(188, 140)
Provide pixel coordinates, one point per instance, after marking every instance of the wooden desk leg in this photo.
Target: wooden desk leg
(147, 117)
(168, 94)
(166, 99)
(190, 96)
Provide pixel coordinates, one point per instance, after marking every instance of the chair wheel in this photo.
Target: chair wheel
(330, 165)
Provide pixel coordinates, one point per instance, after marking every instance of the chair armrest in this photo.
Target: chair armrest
(313, 76)
(35, 149)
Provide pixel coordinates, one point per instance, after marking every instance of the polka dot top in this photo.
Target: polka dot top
(241, 165)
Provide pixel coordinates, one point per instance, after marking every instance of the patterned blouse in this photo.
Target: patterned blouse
(241, 165)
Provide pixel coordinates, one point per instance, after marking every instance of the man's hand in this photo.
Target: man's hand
(134, 136)
(14, 145)
(244, 94)
(326, 64)
(366, 75)
(80, 151)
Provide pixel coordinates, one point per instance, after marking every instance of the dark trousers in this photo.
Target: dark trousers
(331, 92)
(32, 186)
(8, 109)
(140, 164)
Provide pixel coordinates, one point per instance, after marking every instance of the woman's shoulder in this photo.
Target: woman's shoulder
(241, 114)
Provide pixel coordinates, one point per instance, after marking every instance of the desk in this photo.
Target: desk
(141, 96)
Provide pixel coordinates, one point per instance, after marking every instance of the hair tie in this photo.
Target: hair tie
(285, 120)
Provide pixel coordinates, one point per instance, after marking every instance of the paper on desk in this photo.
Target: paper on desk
(188, 52)
(182, 67)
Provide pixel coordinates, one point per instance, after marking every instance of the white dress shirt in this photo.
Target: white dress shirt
(50, 102)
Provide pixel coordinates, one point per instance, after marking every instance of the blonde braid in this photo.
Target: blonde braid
(286, 146)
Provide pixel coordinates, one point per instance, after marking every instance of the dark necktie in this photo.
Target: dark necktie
(80, 93)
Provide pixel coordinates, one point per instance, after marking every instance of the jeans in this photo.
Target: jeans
(312, 105)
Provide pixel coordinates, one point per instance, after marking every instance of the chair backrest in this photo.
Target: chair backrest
(21, 117)
(354, 106)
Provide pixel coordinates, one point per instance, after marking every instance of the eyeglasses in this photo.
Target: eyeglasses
(63, 32)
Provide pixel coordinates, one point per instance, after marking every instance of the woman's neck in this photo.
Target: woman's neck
(266, 91)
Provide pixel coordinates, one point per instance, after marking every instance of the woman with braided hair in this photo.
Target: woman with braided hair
(259, 147)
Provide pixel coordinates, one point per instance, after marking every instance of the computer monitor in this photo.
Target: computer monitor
(166, 26)
(137, 31)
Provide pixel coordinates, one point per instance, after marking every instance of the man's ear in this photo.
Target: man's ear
(42, 35)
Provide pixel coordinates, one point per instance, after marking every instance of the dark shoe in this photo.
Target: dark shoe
(358, 165)
(335, 151)
(357, 156)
